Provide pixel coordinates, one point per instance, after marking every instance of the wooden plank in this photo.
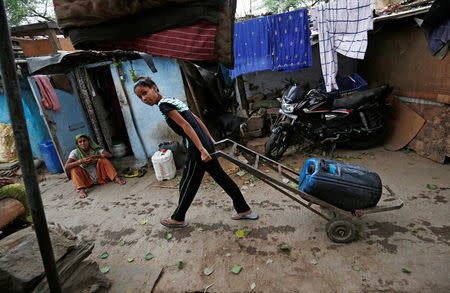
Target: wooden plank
(53, 39)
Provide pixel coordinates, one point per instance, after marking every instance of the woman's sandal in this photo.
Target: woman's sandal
(82, 193)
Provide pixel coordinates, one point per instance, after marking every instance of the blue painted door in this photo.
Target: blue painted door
(65, 124)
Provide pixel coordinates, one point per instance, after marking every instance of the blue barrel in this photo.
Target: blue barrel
(50, 157)
(346, 186)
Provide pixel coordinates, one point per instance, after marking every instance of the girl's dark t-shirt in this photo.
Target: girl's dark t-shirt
(168, 104)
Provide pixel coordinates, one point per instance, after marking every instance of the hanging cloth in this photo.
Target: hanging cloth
(342, 26)
(48, 95)
(290, 40)
(251, 46)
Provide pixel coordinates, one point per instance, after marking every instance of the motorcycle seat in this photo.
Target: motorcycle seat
(359, 98)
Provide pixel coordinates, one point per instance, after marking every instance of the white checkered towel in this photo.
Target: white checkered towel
(342, 26)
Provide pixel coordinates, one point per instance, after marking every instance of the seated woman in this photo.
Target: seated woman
(88, 165)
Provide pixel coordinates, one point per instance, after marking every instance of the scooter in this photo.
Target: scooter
(316, 117)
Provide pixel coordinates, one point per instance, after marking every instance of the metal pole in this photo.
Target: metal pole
(23, 147)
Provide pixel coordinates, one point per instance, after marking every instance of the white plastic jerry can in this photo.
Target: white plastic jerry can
(164, 165)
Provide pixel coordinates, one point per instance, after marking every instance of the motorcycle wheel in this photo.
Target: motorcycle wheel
(276, 145)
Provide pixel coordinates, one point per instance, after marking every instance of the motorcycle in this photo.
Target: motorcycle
(320, 118)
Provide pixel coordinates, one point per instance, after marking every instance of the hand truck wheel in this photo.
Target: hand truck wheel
(341, 231)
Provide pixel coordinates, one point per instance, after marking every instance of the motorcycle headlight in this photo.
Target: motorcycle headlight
(288, 108)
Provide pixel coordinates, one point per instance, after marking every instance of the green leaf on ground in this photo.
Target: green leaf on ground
(168, 236)
(384, 168)
(414, 230)
(297, 169)
(143, 222)
(241, 233)
(431, 186)
(252, 286)
(406, 151)
(405, 270)
(410, 163)
(236, 269)
(434, 177)
(206, 180)
(104, 255)
(104, 270)
(286, 247)
(130, 259)
(356, 268)
(180, 265)
(293, 184)
(149, 256)
(122, 243)
(241, 173)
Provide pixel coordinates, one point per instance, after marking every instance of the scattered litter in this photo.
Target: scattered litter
(244, 187)
(168, 236)
(269, 261)
(297, 169)
(405, 270)
(356, 268)
(207, 287)
(180, 265)
(104, 255)
(122, 243)
(431, 186)
(252, 185)
(293, 184)
(252, 286)
(228, 254)
(209, 270)
(286, 247)
(130, 259)
(241, 233)
(241, 173)
(285, 180)
(242, 159)
(104, 270)
(200, 229)
(236, 269)
(206, 180)
(253, 179)
(143, 222)
(314, 262)
(149, 256)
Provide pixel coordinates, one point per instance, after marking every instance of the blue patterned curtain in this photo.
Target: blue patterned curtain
(290, 40)
(276, 42)
(251, 46)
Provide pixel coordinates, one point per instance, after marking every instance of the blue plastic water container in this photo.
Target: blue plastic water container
(346, 186)
(50, 157)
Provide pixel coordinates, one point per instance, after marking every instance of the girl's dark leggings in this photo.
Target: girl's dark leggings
(191, 179)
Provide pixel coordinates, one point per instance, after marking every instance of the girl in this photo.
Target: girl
(88, 165)
(199, 143)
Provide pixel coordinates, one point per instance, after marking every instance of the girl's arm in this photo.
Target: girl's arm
(187, 128)
(204, 127)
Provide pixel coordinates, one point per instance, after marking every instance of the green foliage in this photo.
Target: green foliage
(28, 11)
(280, 6)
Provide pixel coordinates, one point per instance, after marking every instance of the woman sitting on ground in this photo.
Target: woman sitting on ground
(89, 164)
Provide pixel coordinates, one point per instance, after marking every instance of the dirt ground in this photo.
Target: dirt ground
(415, 238)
